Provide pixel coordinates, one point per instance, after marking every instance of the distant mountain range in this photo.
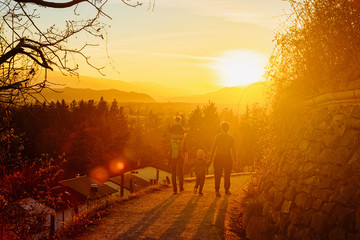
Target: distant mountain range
(155, 90)
(248, 95)
(69, 94)
(94, 88)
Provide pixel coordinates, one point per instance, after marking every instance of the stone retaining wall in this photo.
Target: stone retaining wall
(312, 188)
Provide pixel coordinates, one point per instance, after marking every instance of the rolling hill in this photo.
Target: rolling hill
(69, 94)
(254, 93)
(93, 88)
(158, 91)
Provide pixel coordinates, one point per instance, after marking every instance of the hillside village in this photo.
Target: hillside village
(77, 195)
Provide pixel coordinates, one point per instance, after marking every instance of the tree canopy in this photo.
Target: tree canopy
(316, 50)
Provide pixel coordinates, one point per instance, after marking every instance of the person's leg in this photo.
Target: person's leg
(196, 184)
(173, 174)
(201, 182)
(218, 168)
(197, 180)
(181, 174)
(227, 169)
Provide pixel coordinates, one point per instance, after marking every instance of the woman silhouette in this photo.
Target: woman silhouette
(225, 153)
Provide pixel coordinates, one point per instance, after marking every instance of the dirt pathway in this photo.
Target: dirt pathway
(162, 215)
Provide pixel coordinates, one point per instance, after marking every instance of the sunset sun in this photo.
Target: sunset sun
(239, 67)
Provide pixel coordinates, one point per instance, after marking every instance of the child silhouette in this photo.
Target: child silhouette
(200, 166)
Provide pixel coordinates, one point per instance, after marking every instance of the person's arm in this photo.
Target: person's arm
(186, 154)
(186, 157)
(234, 151)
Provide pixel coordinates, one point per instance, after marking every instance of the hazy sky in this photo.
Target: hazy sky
(189, 43)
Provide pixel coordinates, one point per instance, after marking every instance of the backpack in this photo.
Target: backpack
(177, 142)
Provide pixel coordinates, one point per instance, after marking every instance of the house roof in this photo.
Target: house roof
(155, 165)
(29, 204)
(138, 183)
(82, 185)
(69, 197)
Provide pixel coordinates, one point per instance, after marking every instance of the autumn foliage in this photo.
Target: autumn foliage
(316, 50)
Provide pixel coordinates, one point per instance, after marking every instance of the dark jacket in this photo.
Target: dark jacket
(199, 165)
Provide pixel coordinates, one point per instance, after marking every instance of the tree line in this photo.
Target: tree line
(93, 133)
(89, 133)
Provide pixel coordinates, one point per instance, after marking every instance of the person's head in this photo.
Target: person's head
(225, 126)
(178, 120)
(200, 154)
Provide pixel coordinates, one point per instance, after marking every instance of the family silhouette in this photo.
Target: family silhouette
(222, 156)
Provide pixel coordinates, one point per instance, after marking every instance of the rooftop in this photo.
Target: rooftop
(83, 185)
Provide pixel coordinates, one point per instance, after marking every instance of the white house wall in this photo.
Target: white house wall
(64, 215)
(150, 173)
(163, 175)
(117, 188)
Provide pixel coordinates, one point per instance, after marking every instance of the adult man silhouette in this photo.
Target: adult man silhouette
(179, 154)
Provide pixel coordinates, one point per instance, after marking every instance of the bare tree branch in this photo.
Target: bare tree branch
(52, 4)
(27, 48)
(131, 5)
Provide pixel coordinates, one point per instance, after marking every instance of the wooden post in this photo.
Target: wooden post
(122, 185)
(157, 176)
(131, 186)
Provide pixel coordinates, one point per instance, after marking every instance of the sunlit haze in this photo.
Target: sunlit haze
(239, 67)
(200, 46)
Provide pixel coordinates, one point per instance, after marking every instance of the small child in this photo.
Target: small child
(200, 166)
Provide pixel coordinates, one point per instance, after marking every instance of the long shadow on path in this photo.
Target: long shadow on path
(208, 230)
(178, 227)
(140, 227)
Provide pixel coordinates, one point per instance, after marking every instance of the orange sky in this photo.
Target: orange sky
(194, 44)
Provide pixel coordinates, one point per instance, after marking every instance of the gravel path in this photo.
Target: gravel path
(162, 215)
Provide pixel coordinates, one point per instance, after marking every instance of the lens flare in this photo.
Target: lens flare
(99, 173)
(120, 166)
(116, 166)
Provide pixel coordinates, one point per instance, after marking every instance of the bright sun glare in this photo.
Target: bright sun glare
(240, 67)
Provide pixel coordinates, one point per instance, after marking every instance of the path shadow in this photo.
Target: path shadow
(220, 218)
(178, 227)
(208, 230)
(140, 227)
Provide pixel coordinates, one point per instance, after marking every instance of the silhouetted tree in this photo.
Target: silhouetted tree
(211, 124)
(251, 136)
(22, 178)
(102, 107)
(195, 134)
(203, 126)
(114, 108)
(27, 47)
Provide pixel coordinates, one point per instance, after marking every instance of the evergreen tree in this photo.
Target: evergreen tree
(102, 107)
(114, 108)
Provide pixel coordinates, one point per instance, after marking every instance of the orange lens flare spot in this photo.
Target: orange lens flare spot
(116, 166)
(120, 166)
(99, 173)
